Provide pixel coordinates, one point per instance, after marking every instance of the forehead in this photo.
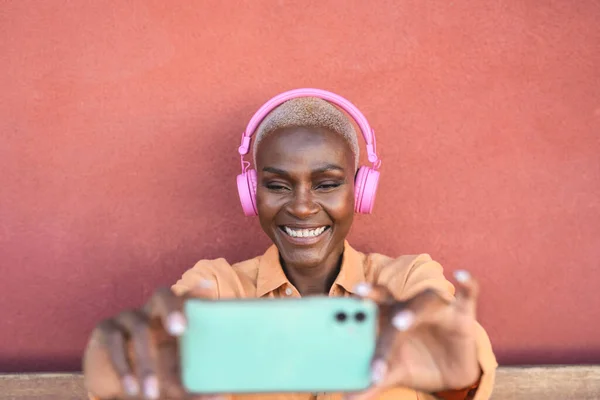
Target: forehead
(304, 145)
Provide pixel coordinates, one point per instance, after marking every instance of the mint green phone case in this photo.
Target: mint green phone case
(278, 345)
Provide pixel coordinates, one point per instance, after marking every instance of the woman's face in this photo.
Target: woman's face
(305, 193)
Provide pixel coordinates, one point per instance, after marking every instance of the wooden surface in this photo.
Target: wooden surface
(42, 386)
(548, 383)
(512, 383)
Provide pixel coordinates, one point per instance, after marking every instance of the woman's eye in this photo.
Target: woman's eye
(328, 186)
(276, 187)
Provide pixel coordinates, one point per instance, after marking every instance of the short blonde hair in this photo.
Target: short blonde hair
(308, 112)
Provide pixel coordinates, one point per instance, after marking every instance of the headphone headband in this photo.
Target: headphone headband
(361, 120)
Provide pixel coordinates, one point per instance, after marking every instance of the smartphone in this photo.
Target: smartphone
(311, 344)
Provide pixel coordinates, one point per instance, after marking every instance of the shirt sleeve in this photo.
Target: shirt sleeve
(409, 275)
(219, 272)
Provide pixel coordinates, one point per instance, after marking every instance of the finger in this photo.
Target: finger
(467, 291)
(388, 307)
(422, 304)
(398, 323)
(112, 336)
(398, 318)
(166, 306)
(384, 298)
(422, 308)
(378, 293)
(204, 289)
(393, 318)
(137, 326)
(383, 351)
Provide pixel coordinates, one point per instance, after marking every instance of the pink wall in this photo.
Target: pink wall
(119, 123)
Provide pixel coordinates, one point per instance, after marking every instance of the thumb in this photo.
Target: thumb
(386, 332)
(467, 292)
(394, 317)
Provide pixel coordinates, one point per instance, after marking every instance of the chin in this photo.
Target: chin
(303, 252)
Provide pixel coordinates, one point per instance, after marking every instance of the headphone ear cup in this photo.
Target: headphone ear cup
(246, 183)
(358, 188)
(365, 189)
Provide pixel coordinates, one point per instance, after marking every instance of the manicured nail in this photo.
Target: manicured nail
(403, 320)
(151, 387)
(363, 289)
(462, 276)
(176, 323)
(130, 386)
(205, 284)
(378, 371)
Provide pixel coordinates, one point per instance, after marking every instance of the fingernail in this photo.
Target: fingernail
(403, 320)
(176, 323)
(378, 371)
(151, 387)
(462, 276)
(363, 289)
(130, 386)
(205, 284)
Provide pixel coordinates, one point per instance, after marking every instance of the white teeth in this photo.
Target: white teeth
(304, 232)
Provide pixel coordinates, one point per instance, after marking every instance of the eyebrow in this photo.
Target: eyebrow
(328, 167)
(325, 168)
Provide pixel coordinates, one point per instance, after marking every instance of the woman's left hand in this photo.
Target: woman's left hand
(425, 343)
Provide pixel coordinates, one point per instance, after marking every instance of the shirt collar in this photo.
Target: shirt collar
(353, 269)
(271, 275)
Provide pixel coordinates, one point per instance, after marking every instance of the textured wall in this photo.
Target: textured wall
(119, 123)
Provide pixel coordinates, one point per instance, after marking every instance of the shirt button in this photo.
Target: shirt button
(288, 291)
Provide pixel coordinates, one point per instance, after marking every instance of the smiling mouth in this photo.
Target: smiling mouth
(304, 233)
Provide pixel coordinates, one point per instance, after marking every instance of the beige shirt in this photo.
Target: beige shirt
(404, 276)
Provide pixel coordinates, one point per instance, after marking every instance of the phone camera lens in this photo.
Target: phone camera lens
(360, 316)
(341, 316)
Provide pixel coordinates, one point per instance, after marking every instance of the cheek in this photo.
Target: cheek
(341, 207)
(267, 207)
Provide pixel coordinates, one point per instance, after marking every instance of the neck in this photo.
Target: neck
(314, 280)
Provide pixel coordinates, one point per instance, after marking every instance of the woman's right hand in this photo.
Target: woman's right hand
(135, 354)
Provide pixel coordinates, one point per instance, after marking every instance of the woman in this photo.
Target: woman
(305, 195)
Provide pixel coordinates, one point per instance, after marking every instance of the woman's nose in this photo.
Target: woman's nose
(302, 205)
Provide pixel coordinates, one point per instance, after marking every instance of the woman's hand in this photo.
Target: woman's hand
(426, 343)
(135, 354)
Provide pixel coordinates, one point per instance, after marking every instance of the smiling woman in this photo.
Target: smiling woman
(305, 191)
(305, 185)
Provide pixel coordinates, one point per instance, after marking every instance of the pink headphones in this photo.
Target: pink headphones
(367, 178)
